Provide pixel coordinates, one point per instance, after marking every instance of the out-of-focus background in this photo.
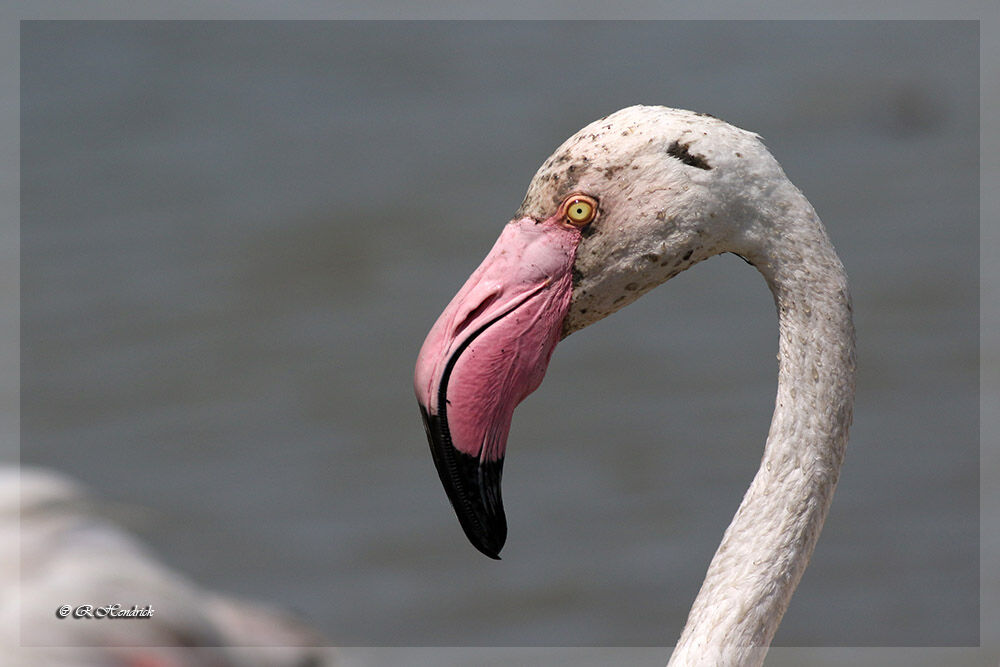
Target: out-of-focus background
(235, 235)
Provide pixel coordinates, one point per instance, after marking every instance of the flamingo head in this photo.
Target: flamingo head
(623, 205)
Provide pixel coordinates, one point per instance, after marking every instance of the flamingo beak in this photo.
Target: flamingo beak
(487, 351)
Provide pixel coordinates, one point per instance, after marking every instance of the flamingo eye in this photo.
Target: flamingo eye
(579, 210)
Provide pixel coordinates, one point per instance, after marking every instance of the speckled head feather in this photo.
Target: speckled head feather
(673, 188)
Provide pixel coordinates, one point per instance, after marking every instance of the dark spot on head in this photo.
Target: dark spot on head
(704, 115)
(651, 257)
(680, 151)
(577, 275)
(661, 215)
(588, 230)
(739, 155)
(687, 255)
(621, 298)
(609, 172)
(631, 287)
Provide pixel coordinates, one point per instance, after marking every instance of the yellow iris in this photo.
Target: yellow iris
(580, 210)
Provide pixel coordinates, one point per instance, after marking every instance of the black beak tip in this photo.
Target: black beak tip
(489, 542)
(493, 556)
(479, 508)
(473, 487)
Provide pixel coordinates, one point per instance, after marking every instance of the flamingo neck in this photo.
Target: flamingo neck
(767, 546)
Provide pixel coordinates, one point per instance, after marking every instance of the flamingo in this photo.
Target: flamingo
(58, 550)
(625, 204)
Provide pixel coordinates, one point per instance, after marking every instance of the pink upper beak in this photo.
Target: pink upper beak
(487, 351)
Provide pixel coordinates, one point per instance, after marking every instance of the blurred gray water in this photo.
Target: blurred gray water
(236, 235)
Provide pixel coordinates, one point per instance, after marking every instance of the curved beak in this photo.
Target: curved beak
(487, 351)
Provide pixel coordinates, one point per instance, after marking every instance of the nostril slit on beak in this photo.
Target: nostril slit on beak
(474, 314)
